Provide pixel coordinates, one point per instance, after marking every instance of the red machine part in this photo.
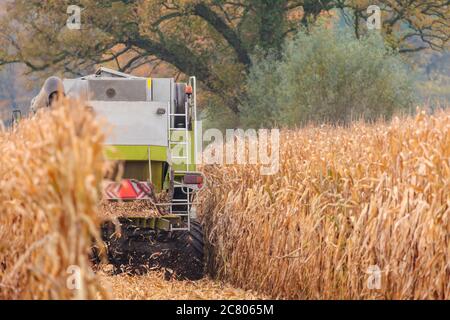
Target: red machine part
(193, 178)
(128, 190)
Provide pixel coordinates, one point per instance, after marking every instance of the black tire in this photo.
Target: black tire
(196, 241)
(180, 253)
(191, 245)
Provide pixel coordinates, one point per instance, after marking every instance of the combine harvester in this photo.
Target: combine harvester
(153, 138)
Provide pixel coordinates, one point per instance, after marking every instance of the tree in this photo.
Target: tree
(408, 26)
(8, 89)
(14, 93)
(212, 39)
(328, 76)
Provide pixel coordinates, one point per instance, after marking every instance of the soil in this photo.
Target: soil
(137, 251)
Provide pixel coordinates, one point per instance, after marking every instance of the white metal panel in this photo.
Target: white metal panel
(76, 88)
(134, 123)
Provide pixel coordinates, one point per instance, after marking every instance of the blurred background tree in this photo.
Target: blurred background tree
(326, 75)
(216, 40)
(15, 92)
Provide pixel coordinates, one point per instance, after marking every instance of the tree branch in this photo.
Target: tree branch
(205, 12)
(186, 61)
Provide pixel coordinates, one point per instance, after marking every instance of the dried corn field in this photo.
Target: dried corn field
(51, 168)
(344, 200)
(347, 202)
(51, 172)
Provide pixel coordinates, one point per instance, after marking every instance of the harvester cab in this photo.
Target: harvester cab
(151, 135)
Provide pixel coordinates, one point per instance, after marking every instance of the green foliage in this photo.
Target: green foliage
(434, 81)
(215, 115)
(211, 39)
(327, 76)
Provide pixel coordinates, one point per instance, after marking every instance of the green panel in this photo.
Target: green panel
(157, 153)
(156, 223)
(176, 136)
(157, 175)
(192, 166)
(136, 170)
(162, 224)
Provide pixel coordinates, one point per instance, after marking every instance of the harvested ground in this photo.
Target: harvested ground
(172, 255)
(153, 286)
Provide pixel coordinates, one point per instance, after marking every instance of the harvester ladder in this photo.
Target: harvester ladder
(182, 202)
(185, 146)
(175, 146)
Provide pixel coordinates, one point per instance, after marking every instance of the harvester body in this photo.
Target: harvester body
(151, 132)
(151, 136)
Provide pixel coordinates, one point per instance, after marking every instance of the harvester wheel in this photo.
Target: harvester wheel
(191, 248)
(180, 253)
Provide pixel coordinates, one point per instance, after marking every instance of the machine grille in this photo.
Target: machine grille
(118, 89)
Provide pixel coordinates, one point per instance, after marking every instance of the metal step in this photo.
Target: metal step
(179, 229)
